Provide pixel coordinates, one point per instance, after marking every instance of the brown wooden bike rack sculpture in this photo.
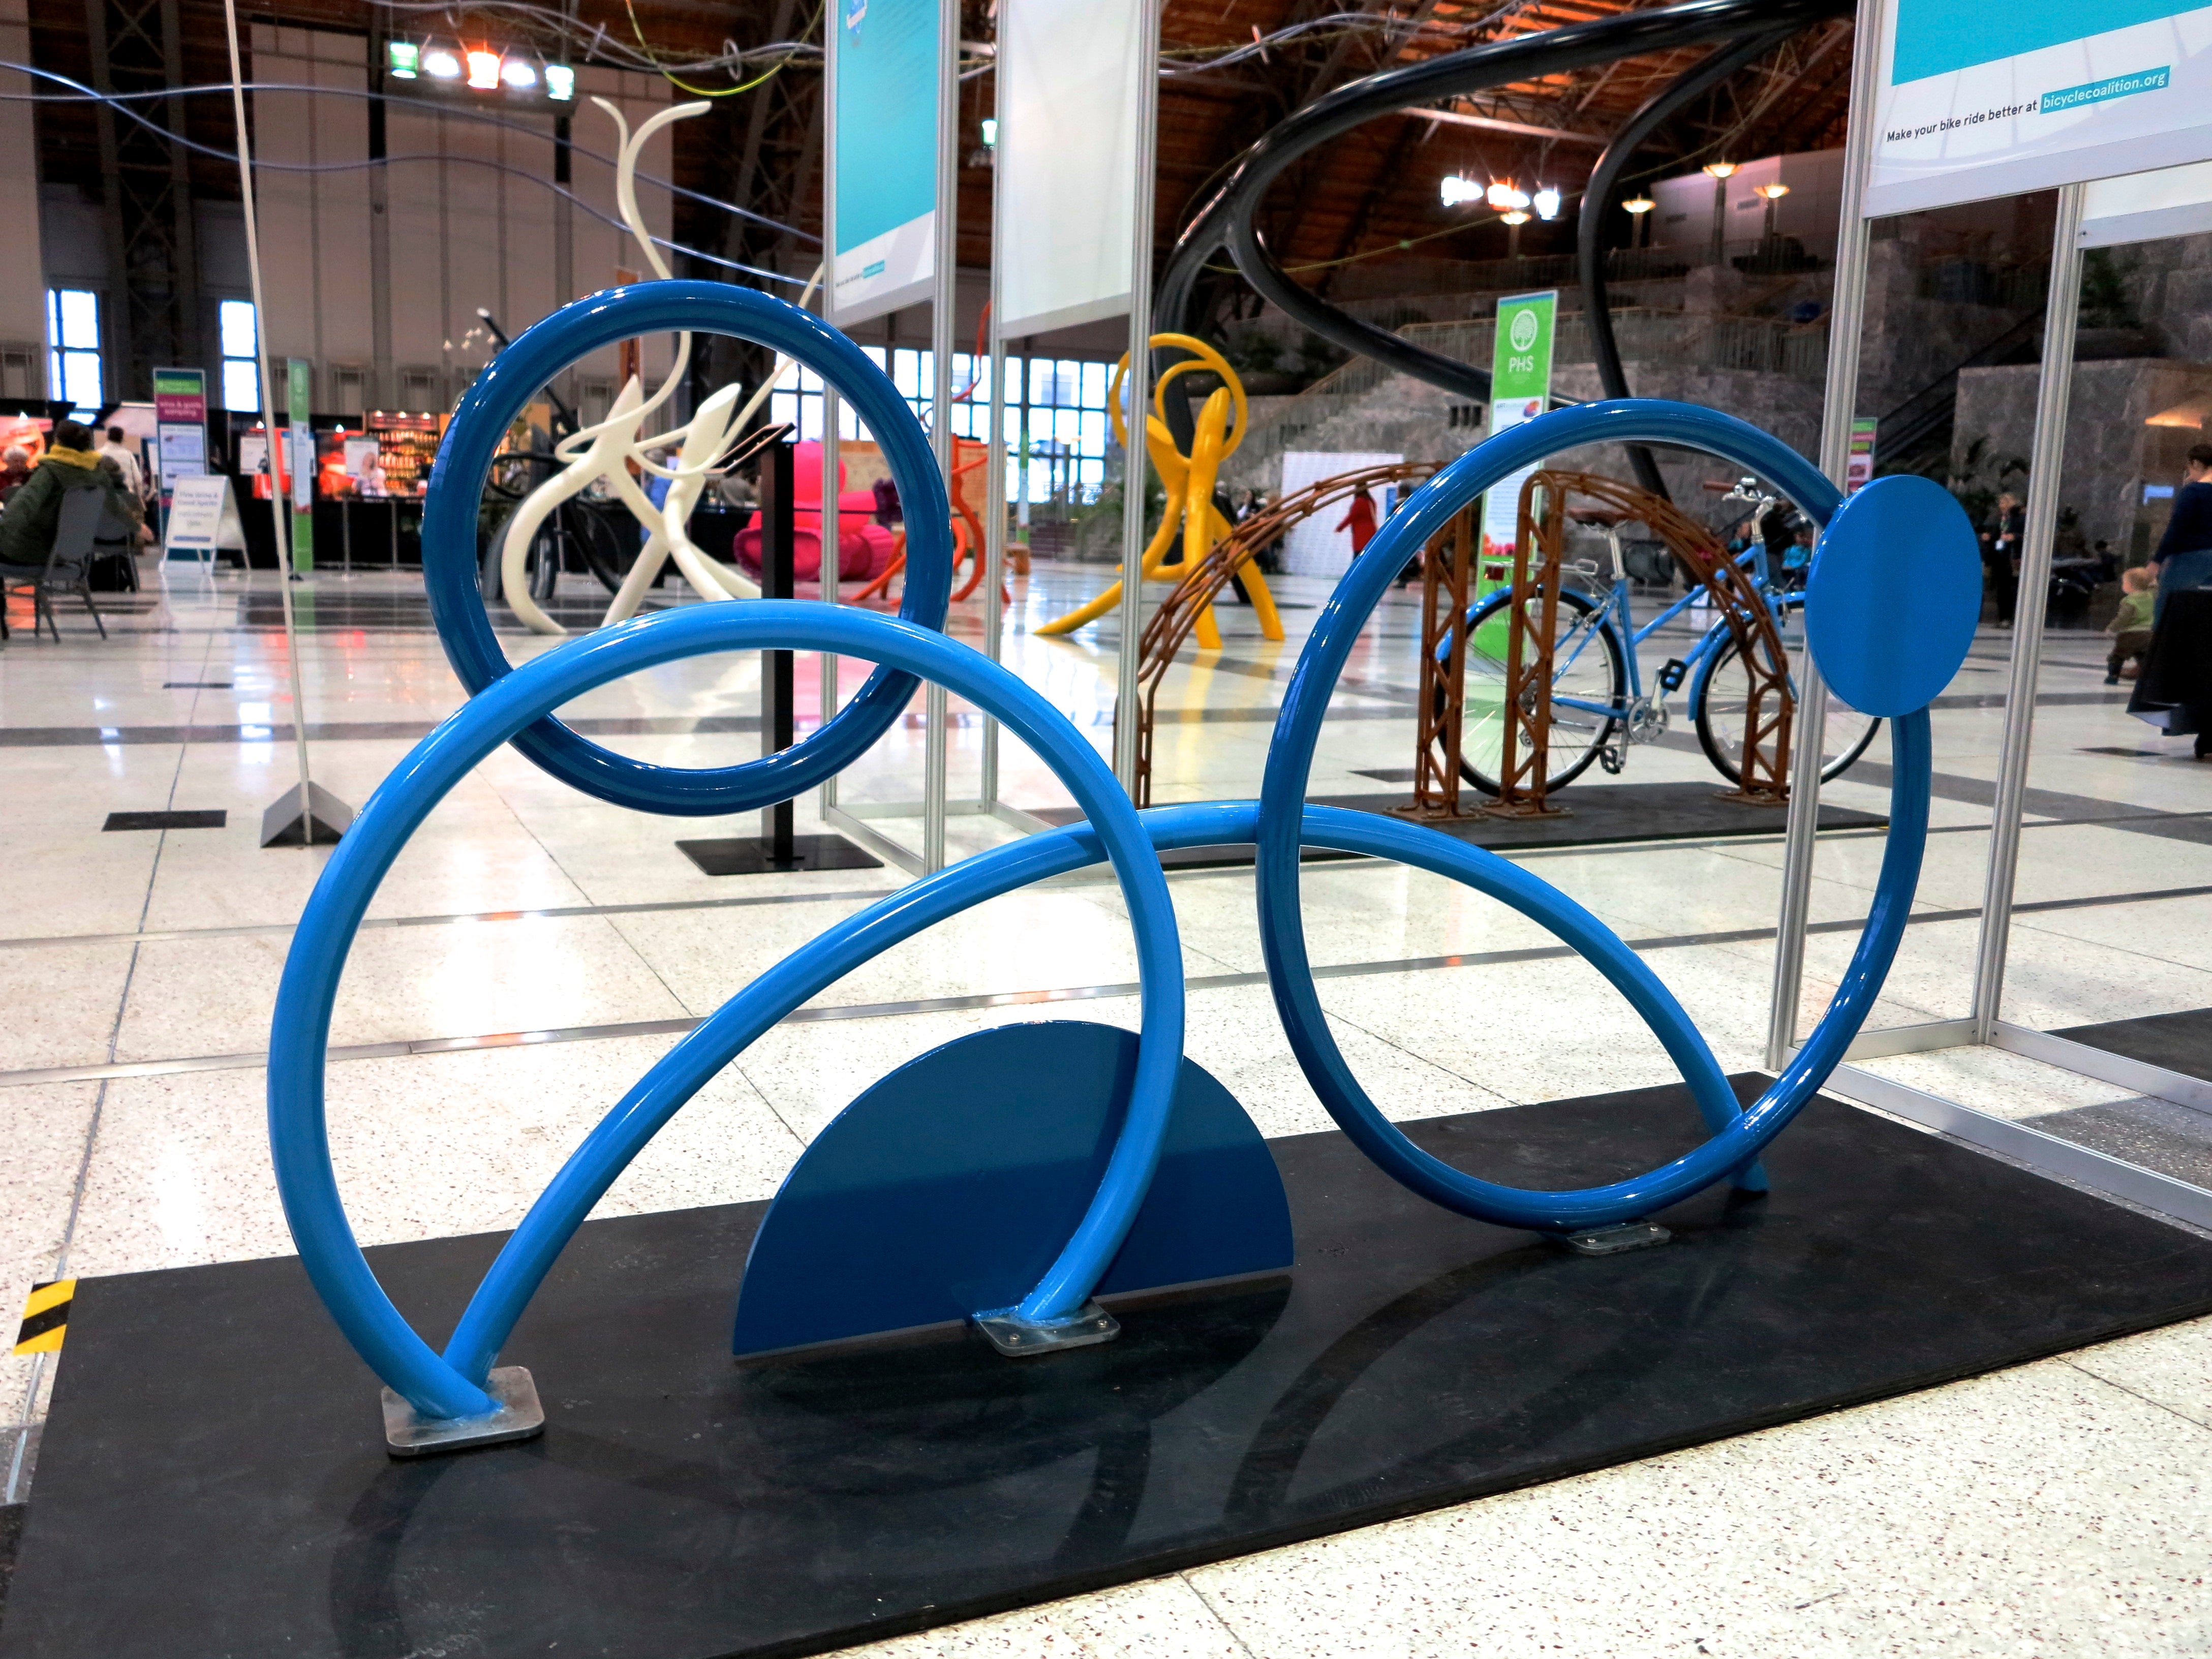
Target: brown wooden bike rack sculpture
(1544, 514)
(1447, 573)
(1167, 628)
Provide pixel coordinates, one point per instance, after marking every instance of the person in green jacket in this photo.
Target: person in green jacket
(32, 515)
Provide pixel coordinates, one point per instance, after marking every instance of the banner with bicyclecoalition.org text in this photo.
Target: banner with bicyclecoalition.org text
(1978, 99)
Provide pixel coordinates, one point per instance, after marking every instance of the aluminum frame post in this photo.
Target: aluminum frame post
(1134, 471)
(934, 701)
(2054, 386)
(994, 514)
(833, 525)
(1839, 403)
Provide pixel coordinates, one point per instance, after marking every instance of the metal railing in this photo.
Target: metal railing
(1672, 339)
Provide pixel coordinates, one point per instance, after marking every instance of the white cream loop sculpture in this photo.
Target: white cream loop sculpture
(608, 450)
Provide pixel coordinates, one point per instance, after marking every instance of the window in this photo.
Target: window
(242, 346)
(1068, 429)
(73, 366)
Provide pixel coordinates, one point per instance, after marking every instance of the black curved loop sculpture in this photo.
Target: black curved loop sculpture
(1702, 78)
(1227, 218)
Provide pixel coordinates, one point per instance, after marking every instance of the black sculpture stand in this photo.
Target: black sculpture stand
(214, 1481)
(778, 850)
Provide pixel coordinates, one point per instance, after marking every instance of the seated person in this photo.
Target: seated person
(14, 471)
(32, 515)
(2130, 628)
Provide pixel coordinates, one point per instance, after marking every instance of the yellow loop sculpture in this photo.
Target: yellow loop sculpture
(1191, 516)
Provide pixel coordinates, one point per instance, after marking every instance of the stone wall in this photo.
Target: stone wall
(2111, 451)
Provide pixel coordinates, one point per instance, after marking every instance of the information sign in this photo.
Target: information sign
(1070, 81)
(1520, 390)
(883, 150)
(1976, 100)
(203, 518)
(179, 426)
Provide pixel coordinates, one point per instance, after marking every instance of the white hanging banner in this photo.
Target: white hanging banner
(883, 72)
(1983, 97)
(2143, 207)
(1070, 72)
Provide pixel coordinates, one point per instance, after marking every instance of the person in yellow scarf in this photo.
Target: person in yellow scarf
(34, 513)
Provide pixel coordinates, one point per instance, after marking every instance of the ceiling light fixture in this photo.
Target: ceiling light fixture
(1547, 202)
(1456, 189)
(560, 82)
(402, 58)
(441, 65)
(484, 70)
(519, 75)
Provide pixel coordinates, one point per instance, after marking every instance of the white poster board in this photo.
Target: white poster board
(2143, 207)
(203, 518)
(1317, 547)
(1070, 77)
(1975, 100)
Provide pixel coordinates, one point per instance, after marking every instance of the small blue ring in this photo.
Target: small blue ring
(505, 389)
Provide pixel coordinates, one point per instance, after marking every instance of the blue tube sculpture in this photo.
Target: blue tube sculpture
(1896, 539)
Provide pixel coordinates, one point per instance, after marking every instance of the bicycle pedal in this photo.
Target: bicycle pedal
(1613, 758)
(1672, 676)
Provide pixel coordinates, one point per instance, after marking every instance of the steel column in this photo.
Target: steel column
(2054, 385)
(1846, 322)
(1128, 718)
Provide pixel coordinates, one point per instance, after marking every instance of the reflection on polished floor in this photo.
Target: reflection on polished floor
(531, 952)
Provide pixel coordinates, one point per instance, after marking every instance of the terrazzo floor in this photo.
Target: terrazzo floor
(533, 951)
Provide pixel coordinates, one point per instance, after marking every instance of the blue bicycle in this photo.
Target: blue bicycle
(1601, 706)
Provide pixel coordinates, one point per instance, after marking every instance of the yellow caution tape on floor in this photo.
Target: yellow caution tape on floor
(46, 1317)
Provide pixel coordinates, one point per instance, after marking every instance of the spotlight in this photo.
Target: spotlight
(1720, 169)
(402, 58)
(441, 65)
(560, 82)
(990, 132)
(519, 75)
(1456, 189)
(1639, 204)
(1548, 203)
(484, 70)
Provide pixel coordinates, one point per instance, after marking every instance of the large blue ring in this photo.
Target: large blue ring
(1290, 764)
(505, 389)
(298, 1133)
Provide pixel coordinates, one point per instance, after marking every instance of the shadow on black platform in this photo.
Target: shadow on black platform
(1595, 814)
(2180, 1043)
(213, 1479)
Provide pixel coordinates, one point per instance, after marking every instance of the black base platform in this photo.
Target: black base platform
(2180, 1043)
(759, 855)
(1595, 814)
(213, 1480)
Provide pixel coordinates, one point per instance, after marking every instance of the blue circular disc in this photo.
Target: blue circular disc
(1895, 595)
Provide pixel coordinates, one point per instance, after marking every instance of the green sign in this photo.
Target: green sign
(300, 458)
(1520, 390)
(1520, 360)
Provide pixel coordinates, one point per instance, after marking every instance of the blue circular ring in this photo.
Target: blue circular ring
(1290, 765)
(505, 389)
(298, 1131)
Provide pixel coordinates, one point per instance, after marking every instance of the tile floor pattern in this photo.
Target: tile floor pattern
(533, 951)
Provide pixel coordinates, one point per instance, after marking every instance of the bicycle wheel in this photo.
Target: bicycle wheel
(1720, 699)
(1588, 672)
